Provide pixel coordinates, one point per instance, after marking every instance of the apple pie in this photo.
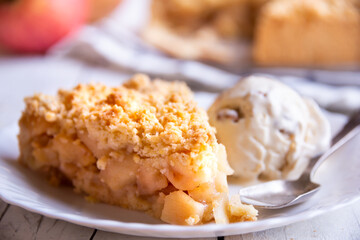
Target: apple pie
(308, 32)
(144, 145)
(282, 32)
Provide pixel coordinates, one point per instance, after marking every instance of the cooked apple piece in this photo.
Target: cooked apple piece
(206, 192)
(150, 180)
(119, 172)
(76, 151)
(220, 209)
(191, 211)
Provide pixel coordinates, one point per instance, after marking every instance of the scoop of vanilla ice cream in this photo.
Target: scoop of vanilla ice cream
(269, 131)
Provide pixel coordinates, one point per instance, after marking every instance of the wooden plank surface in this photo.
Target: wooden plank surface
(341, 224)
(3, 207)
(18, 223)
(101, 235)
(53, 229)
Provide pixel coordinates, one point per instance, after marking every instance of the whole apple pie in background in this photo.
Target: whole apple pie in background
(278, 32)
(144, 145)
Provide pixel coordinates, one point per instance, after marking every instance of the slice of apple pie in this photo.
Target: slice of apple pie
(144, 145)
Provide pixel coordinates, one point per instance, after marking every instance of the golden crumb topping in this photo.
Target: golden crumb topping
(157, 121)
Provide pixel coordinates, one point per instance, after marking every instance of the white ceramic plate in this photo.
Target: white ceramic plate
(339, 177)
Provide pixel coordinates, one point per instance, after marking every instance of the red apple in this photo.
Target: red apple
(33, 26)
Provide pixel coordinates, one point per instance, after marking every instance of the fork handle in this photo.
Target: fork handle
(350, 130)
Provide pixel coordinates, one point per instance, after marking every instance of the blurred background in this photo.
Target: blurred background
(311, 45)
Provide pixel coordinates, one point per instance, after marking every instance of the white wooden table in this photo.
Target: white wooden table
(17, 223)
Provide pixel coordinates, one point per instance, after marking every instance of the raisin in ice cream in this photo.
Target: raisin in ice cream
(269, 131)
